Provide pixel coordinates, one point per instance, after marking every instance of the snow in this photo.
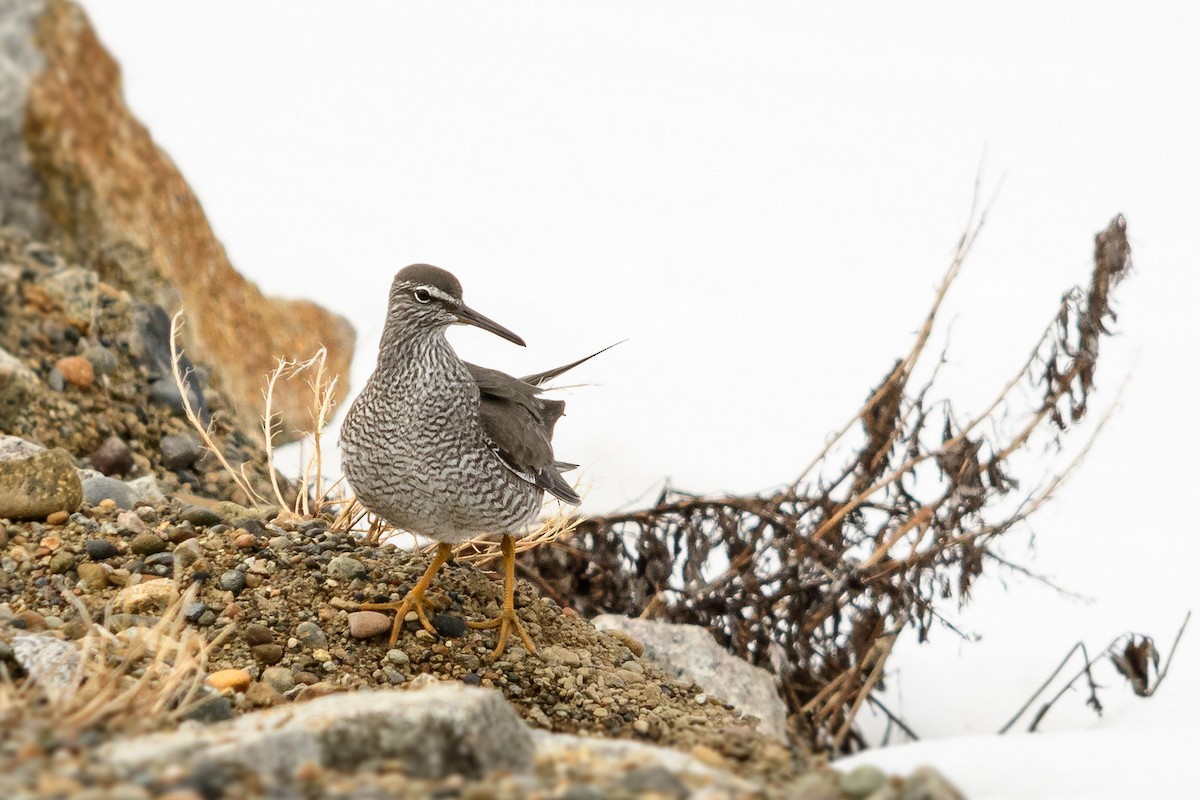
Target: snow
(1141, 750)
(760, 198)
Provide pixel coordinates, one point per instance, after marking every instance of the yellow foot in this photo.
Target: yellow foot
(415, 599)
(507, 622)
(411, 602)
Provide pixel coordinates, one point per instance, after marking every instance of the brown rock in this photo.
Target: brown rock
(119, 200)
(112, 457)
(57, 518)
(257, 634)
(147, 596)
(236, 679)
(77, 371)
(93, 576)
(365, 624)
(268, 654)
(262, 695)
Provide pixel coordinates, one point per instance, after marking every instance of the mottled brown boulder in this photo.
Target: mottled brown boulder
(81, 170)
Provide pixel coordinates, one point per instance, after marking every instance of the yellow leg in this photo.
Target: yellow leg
(508, 621)
(415, 599)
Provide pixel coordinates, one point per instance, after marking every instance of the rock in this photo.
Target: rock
(14, 447)
(262, 695)
(130, 522)
(236, 679)
(77, 371)
(19, 386)
(50, 662)
(690, 651)
(112, 457)
(365, 624)
(201, 517)
(74, 291)
(232, 580)
(209, 709)
(311, 636)
(57, 518)
(147, 544)
(153, 595)
(449, 625)
(179, 452)
(93, 576)
(269, 654)
(445, 729)
(862, 781)
(61, 562)
(37, 486)
(106, 188)
(100, 549)
(279, 678)
(254, 634)
(926, 783)
(642, 766)
(96, 490)
(345, 568)
(145, 490)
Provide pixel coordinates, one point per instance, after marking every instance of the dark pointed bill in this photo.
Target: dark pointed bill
(472, 317)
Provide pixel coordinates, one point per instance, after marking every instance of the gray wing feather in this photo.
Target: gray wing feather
(519, 426)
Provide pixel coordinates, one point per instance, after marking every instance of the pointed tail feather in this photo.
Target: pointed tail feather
(538, 378)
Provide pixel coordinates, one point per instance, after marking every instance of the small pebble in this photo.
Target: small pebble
(202, 517)
(267, 653)
(257, 634)
(62, 562)
(449, 625)
(179, 452)
(100, 549)
(193, 611)
(77, 371)
(365, 624)
(245, 541)
(345, 568)
(57, 518)
(398, 657)
(222, 679)
(232, 580)
(145, 544)
(112, 457)
(279, 678)
(93, 576)
(311, 636)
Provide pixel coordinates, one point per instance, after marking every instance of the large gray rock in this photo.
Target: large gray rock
(37, 486)
(445, 729)
(689, 651)
(634, 759)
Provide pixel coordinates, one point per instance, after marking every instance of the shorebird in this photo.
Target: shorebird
(446, 449)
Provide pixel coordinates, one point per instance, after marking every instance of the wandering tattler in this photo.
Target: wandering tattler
(447, 449)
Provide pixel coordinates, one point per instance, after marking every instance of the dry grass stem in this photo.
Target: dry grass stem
(237, 475)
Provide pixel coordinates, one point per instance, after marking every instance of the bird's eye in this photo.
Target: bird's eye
(422, 295)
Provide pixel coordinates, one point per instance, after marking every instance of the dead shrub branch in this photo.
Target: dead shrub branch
(816, 581)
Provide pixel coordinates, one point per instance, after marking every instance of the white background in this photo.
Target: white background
(761, 198)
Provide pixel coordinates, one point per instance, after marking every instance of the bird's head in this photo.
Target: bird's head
(431, 297)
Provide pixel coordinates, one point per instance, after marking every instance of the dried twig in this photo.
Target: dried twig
(806, 580)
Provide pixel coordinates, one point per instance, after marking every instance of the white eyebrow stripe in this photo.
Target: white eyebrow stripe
(440, 295)
(433, 290)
